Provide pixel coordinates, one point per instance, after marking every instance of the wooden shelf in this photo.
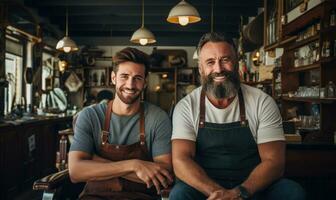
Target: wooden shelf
(271, 47)
(305, 67)
(304, 20)
(265, 82)
(303, 42)
(310, 99)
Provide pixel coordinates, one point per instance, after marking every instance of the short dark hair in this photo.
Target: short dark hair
(130, 54)
(214, 37)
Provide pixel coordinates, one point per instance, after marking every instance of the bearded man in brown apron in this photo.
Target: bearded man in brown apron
(122, 148)
(228, 140)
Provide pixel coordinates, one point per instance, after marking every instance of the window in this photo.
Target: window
(13, 71)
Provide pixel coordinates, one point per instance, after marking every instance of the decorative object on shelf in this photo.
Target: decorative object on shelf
(183, 13)
(331, 90)
(325, 49)
(333, 18)
(102, 78)
(60, 99)
(143, 36)
(66, 44)
(73, 82)
(303, 6)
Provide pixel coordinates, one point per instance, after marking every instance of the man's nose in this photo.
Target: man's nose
(217, 68)
(130, 83)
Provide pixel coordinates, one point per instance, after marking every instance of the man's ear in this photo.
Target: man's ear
(113, 78)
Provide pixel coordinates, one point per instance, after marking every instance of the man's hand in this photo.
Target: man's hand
(223, 194)
(152, 174)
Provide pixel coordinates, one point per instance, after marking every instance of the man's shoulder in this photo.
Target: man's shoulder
(153, 110)
(92, 110)
(192, 98)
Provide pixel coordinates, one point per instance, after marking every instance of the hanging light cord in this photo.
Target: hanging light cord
(66, 22)
(212, 14)
(143, 13)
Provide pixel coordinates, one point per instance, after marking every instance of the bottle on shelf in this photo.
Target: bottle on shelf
(326, 49)
(331, 93)
(333, 18)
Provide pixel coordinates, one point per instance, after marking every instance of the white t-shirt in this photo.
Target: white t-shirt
(262, 114)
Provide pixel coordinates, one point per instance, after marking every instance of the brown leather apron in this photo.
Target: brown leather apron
(120, 188)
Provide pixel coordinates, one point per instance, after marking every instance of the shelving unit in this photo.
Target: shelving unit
(317, 73)
(167, 85)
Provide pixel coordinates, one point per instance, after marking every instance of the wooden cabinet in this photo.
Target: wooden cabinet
(272, 23)
(96, 78)
(27, 152)
(308, 65)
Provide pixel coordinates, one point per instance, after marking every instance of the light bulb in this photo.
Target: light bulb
(66, 49)
(183, 20)
(143, 41)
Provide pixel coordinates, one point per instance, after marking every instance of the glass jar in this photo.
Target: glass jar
(331, 90)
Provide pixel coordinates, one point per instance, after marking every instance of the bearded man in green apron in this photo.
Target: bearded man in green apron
(122, 148)
(228, 140)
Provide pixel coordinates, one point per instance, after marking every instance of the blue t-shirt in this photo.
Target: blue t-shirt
(124, 130)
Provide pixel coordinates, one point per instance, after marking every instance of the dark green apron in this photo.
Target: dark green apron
(227, 152)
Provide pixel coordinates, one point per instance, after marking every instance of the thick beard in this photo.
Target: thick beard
(129, 100)
(226, 89)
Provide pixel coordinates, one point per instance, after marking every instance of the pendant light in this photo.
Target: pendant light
(143, 36)
(183, 13)
(66, 44)
(195, 55)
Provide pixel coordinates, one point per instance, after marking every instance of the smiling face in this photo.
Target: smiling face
(129, 81)
(219, 70)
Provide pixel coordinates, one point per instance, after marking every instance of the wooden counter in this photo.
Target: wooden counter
(27, 152)
(314, 167)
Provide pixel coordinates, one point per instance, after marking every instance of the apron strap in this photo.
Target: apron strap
(142, 124)
(243, 120)
(108, 113)
(202, 110)
(106, 129)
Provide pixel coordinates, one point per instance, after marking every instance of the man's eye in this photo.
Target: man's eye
(225, 60)
(210, 63)
(123, 77)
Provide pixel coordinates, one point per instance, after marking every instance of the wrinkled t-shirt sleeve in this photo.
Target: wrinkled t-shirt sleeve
(83, 138)
(270, 122)
(183, 127)
(161, 144)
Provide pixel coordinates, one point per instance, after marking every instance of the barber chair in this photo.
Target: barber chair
(58, 185)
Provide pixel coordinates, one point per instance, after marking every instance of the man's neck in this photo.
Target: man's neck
(120, 108)
(220, 103)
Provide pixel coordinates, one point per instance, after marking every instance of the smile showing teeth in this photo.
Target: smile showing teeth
(219, 78)
(129, 91)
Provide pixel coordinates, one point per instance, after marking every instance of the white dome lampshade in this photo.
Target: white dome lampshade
(143, 36)
(183, 13)
(66, 44)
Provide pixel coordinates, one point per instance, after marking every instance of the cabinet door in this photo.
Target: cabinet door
(31, 143)
(10, 164)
